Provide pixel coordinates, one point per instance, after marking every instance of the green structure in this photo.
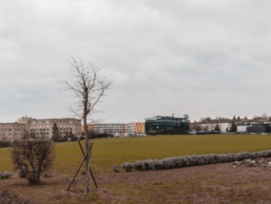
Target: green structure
(166, 125)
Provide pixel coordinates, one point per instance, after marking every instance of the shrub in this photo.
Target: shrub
(4, 144)
(74, 139)
(32, 158)
(62, 139)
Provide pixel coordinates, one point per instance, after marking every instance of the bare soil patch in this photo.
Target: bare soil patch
(217, 183)
(7, 198)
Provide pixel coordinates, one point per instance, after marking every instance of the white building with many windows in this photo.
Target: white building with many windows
(116, 129)
(39, 128)
(43, 128)
(12, 131)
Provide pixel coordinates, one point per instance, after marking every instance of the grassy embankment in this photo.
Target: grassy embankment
(114, 151)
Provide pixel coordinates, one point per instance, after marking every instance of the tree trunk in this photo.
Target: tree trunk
(87, 156)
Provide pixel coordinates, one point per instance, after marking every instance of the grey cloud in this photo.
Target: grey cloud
(200, 58)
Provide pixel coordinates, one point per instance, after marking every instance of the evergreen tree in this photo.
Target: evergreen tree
(233, 127)
(217, 128)
(56, 134)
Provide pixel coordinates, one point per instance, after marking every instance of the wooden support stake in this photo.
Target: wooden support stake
(90, 171)
(80, 166)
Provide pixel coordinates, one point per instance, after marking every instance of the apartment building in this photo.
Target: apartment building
(39, 128)
(43, 128)
(116, 129)
(12, 131)
(137, 128)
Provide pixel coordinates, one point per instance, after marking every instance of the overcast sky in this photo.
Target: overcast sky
(201, 58)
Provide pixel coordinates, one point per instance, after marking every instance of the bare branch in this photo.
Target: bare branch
(88, 89)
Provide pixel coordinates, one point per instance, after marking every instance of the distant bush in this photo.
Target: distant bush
(32, 158)
(5, 174)
(105, 135)
(62, 140)
(74, 139)
(4, 144)
(185, 161)
(82, 138)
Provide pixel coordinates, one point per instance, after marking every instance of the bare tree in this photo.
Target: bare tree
(88, 88)
(217, 128)
(26, 135)
(265, 117)
(186, 117)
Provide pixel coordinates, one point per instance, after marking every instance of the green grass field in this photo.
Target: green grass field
(114, 151)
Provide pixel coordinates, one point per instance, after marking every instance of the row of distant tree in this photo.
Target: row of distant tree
(237, 119)
(199, 127)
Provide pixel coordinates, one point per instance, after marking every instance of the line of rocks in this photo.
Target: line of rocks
(258, 162)
(186, 161)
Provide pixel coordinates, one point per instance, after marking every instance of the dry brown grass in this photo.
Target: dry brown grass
(219, 183)
(209, 184)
